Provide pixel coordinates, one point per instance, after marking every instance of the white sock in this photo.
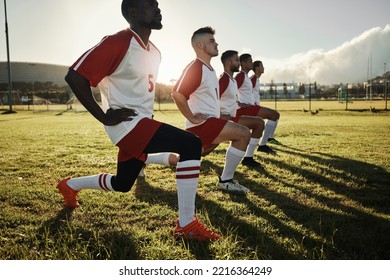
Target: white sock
(272, 134)
(250, 150)
(96, 182)
(232, 160)
(269, 127)
(187, 178)
(160, 158)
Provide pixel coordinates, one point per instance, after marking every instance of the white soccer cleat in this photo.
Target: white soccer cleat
(232, 186)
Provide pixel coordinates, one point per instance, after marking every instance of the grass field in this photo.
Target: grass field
(325, 195)
(281, 105)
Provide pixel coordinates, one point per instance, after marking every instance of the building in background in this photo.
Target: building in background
(30, 72)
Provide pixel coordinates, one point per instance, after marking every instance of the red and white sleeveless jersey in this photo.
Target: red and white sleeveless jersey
(199, 84)
(245, 89)
(126, 71)
(228, 92)
(256, 89)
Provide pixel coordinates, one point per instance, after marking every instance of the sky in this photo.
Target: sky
(328, 42)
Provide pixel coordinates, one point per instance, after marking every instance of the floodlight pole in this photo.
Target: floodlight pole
(386, 85)
(309, 88)
(276, 96)
(346, 98)
(387, 88)
(8, 61)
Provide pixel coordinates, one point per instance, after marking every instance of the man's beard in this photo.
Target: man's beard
(235, 69)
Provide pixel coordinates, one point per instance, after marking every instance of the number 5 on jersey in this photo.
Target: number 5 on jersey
(151, 83)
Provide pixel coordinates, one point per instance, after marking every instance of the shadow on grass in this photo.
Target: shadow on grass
(362, 182)
(60, 238)
(351, 224)
(347, 219)
(353, 218)
(251, 237)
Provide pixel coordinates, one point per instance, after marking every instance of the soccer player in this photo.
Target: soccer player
(228, 92)
(247, 104)
(196, 94)
(258, 70)
(228, 105)
(125, 66)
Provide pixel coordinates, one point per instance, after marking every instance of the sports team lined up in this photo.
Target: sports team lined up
(125, 67)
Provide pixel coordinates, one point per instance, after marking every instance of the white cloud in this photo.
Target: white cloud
(347, 63)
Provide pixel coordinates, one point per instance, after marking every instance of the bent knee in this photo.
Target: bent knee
(192, 142)
(245, 133)
(123, 186)
(261, 124)
(190, 148)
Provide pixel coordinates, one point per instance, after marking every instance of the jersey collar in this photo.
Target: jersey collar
(139, 40)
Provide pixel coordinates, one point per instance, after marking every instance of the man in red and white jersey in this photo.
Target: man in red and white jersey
(125, 67)
(255, 80)
(246, 102)
(228, 92)
(271, 114)
(196, 94)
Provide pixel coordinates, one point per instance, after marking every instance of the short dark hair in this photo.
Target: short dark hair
(126, 4)
(227, 55)
(256, 64)
(203, 30)
(244, 57)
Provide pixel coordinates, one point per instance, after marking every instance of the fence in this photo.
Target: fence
(279, 105)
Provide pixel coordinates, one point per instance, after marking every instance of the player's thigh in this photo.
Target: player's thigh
(232, 132)
(251, 122)
(268, 113)
(172, 139)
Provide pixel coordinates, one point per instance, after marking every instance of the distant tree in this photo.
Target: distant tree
(271, 89)
(163, 92)
(285, 90)
(301, 89)
(330, 92)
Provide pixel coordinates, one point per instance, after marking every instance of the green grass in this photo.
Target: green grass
(325, 195)
(281, 105)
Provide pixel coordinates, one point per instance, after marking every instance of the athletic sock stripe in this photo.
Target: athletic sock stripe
(191, 168)
(188, 176)
(102, 182)
(188, 171)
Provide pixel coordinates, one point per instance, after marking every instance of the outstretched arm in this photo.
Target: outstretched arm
(81, 88)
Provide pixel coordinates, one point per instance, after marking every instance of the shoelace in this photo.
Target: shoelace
(200, 228)
(237, 184)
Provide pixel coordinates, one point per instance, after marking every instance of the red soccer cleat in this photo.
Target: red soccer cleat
(195, 231)
(69, 194)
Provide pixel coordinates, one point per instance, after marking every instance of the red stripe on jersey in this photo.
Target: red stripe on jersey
(191, 176)
(224, 81)
(240, 77)
(190, 79)
(254, 80)
(140, 42)
(104, 58)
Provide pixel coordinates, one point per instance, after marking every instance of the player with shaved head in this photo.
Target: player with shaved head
(196, 94)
